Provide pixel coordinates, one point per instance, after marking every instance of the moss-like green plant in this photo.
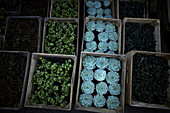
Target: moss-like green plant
(91, 11)
(103, 36)
(101, 88)
(100, 26)
(107, 11)
(51, 83)
(89, 36)
(89, 3)
(92, 45)
(106, 3)
(110, 27)
(103, 46)
(100, 75)
(112, 77)
(113, 36)
(114, 89)
(86, 100)
(87, 87)
(60, 38)
(100, 11)
(113, 46)
(113, 102)
(87, 74)
(114, 64)
(89, 62)
(99, 51)
(65, 9)
(97, 4)
(99, 101)
(90, 25)
(102, 62)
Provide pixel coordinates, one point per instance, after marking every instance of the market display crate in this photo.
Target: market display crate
(11, 6)
(89, 106)
(56, 60)
(33, 28)
(111, 4)
(156, 39)
(130, 85)
(129, 6)
(74, 42)
(21, 76)
(66, 9)
(114, 36)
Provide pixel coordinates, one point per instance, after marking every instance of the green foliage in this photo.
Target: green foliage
(60, 38)
(65, 9)
(51, 83)
(150, 79)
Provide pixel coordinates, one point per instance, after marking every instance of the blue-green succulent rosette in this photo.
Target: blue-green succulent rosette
(100, 27)
(91, 11)
(90, 16)
(102, 62)
(86, 100)
(114, 89)
(113, 46)
(88, 50)
(101, 88)
(99, 101)
(100, 11)
(90, 25)
(113, 36)
(89, 4)
(112, 77)
(99, 51)
(87, 87)
(108, 16)
(100, 75)
(112, 102)
(103, 36)
(106, 3)
(89, 62)
(107, 11)
(110, 27)
(97, 4)
(110, 52)
(99, 16)
(114, 64)
(89, 36)
(103, 46)
(92, 45)
(87, 74)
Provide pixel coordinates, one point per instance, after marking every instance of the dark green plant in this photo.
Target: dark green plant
(65, 9)
(52, 83)
(12, 72)
(9, 4)
(150, 79)
(60, 38)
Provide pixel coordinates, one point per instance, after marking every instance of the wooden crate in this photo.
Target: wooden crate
(120, 109)
(26, 17)
(51, 8)
(62, 20)
(153, 22)
(114, 8)
(129, 80)
(145, 10)
(117, 23)
(23, 92)
(34, 62)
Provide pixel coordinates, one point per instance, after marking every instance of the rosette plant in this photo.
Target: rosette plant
(114, 89)
(87, 74)
(102, 62)
(97, 4)
(86, 100)
(112, 45)
(99, 51)
(99, 101)
(112, 102)
(92, 45)
(100, 26)
(100, 75)
(114, 64)
(88, 50)
(89, 62)
(100, 11)
(107, 11)
(91, 11)
(89, 4)
(87, 87)
(101, 88)
(89, 36)
(99, 16)
(110, 52)
(110, 27)
(90, 25)
(103, 46)
(106, 3)
(108, 16)
(103, 36)
(91, 16)
(113, 36)
(112, 77)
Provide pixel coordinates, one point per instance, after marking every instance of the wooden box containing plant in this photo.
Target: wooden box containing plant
(101, 83)
(132, 9)
(148, 79)
(141, 34)
(60, 36)
(100, 8)
(14, 67)
(64, 8)
(23, 33)
(10, 5)
(102, 35)
(51, 80)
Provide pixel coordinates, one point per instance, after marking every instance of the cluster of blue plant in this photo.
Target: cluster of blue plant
(96, 67)
(107, 37)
